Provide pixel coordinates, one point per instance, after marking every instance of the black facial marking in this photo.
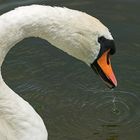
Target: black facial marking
(105, 45)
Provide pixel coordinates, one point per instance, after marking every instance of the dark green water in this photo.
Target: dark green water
(70, 97)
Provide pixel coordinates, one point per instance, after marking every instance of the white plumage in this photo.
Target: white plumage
(72, 31)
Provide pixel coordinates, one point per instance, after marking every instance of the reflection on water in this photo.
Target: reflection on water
(72, 100)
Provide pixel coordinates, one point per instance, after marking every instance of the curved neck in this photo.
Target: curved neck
(19, 24)
(14, 27)
(59, 26)
(49, 23)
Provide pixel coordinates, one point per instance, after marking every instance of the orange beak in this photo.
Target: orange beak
(105, 65)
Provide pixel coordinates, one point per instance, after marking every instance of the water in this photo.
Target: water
(71, 99)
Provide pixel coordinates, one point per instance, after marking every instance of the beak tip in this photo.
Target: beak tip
(114, 85)
(113, 80)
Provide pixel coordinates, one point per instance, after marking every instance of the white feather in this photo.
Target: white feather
(72, 31)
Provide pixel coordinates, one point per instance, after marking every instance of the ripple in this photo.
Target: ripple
(106, 114)
(118, 107)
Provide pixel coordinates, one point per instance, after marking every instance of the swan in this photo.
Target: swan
(76, 33)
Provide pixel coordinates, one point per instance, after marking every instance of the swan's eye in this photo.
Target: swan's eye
(101, 39)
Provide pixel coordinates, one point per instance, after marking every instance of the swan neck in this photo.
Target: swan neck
(59, 26)
(19, 24)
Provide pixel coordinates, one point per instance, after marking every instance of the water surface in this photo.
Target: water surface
(69, 96)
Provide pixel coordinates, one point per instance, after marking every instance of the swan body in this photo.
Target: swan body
(74, 32)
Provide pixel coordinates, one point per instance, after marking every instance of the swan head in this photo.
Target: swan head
(102, 64)
(100, 48)
(93, 44)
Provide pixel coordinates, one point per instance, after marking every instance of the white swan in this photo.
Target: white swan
(80, 35)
